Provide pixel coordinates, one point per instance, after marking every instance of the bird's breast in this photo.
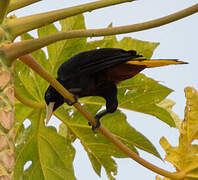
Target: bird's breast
(122, 72)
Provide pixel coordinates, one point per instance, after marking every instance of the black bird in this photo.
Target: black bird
(96, 73)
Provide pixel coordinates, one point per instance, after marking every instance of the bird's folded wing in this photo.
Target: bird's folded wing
(107, 62)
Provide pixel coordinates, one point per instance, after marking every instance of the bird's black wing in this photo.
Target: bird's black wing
(94, 61)
(103, 64)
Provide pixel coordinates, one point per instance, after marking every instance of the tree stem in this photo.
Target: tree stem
(27, 46)
(6, 120)
(31, 62)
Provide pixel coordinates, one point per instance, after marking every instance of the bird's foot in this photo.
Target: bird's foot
(72, 103)
(97, 123)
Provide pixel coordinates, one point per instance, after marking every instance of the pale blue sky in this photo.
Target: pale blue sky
(177, 40)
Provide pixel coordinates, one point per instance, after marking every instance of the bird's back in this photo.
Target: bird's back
(93, 61)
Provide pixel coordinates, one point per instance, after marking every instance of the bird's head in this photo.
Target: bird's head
(53, 100)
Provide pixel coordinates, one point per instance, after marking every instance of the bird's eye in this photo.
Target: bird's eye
(47, 97)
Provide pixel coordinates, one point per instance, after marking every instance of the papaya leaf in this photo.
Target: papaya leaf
(50, 155)
(142, 94)
(184, 157)
(98, 148)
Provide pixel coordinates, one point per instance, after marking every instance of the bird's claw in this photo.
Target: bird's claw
(97, 123)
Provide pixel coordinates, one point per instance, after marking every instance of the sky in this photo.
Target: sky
(178, 40)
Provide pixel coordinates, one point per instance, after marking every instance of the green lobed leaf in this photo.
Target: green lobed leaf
(98, 148)
(142, 94)
(118, 125)
(51, 154)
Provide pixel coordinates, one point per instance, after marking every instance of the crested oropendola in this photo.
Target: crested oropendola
(96, 73)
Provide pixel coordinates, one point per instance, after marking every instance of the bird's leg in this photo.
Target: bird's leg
(110, 95)
(73, 91)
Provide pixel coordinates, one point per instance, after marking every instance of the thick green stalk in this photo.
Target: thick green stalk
(21, 48)
(20, 4)
(21, 25)
(3, 9)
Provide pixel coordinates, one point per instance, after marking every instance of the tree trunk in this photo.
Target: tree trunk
(6, 121)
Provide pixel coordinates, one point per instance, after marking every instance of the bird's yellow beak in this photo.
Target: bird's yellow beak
(49, 111)
(149, 63)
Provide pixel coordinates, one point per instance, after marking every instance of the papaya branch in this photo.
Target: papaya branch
(33, 64)
(21, 25)
(18, 49)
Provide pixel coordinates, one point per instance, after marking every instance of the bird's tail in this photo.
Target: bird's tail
(149, 63)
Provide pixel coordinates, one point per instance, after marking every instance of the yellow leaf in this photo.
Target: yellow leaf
(185, 156)
(191, 114)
